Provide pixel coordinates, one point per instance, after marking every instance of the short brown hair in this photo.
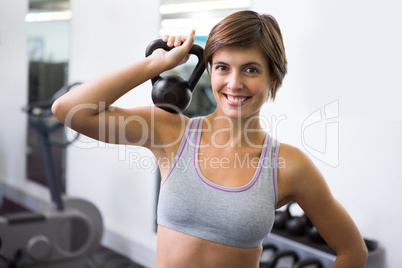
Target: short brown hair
(246, 29)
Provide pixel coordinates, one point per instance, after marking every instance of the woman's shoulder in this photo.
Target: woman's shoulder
(167, 127)
(292, 156)
(159, 129)
(295, 171)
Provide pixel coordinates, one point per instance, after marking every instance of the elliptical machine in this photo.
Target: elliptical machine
(70, 232)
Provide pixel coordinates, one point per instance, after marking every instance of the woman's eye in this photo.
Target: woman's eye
(221, 68)
(251, 70)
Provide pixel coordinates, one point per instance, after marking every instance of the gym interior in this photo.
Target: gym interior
(339, 103)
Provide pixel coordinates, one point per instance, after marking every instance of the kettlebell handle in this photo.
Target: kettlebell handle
(195, 50)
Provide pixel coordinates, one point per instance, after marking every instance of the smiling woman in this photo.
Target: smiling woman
(213, 212)
(245, 32)
(241, 81)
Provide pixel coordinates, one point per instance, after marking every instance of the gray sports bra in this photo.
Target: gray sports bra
(235, 216)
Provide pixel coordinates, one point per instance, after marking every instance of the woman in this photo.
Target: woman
(221, 184)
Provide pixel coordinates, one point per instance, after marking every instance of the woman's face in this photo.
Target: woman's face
(240, 81)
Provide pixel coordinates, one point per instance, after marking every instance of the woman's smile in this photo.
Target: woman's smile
(240, 79)
(236, 100)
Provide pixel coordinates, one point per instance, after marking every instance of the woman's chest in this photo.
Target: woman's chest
(228, 168)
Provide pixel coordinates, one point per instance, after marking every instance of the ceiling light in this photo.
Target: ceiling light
(194, 22)
(183, 26)
(48, 16)
(203, 6)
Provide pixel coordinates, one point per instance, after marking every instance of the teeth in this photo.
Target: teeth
(236, 100)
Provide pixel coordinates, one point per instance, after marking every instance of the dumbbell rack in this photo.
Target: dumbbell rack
(306, 249)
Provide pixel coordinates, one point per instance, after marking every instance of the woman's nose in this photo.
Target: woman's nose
(234, 82)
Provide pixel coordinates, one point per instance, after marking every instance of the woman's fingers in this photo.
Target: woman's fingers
(180, 53)
(189, 40)
(177, 40)
(171, 41)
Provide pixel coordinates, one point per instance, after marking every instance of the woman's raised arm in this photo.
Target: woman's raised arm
(87, 109)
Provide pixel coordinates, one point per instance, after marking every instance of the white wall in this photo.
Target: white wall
(14, 96)
(13, 91)
(107, 35)
(346, 55)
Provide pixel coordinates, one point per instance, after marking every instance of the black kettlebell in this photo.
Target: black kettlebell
(281, 218)
(171, 92)
(296, 225)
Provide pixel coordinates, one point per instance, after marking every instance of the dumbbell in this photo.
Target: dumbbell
(308, 263)
(281, 217)
(280, 255)
(295, 225)
(267, 254)
(171, 92)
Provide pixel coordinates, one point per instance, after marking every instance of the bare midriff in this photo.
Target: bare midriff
(178, 250)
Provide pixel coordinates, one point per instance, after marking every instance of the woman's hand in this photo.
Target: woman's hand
(179, 54)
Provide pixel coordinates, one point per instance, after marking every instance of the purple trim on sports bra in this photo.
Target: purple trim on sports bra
(182, 145)
(222, 188)
(274, 166)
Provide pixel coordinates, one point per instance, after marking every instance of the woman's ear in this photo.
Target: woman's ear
(272, 89)
(272, 85)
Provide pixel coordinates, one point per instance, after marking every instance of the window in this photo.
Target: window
(180, 16)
